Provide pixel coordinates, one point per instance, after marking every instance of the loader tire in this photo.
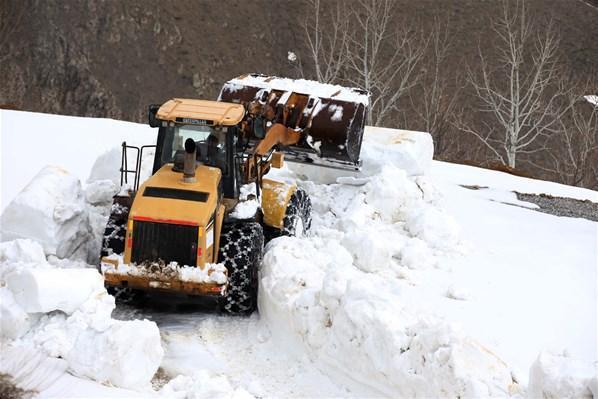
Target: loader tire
(297, 219)
(113, 241)
(125, 295)
(241, 251)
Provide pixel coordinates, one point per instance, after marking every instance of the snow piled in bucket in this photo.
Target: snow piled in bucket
(66, 313)
(407, 150)
(335, 292)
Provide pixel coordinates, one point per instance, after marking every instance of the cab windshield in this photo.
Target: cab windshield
(209, 141)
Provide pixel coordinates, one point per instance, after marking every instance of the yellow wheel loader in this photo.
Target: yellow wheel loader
(196, 226)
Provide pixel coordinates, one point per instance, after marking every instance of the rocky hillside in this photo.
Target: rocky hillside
(109, 58)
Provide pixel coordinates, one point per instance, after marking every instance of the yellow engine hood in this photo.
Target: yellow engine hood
(164, 197)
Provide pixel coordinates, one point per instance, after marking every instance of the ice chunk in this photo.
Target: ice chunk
(45, 290)
(51, 210)
(370, 252)
(407, 150)
(127, 354)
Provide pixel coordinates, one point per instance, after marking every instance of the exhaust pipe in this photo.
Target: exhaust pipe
(189, 163)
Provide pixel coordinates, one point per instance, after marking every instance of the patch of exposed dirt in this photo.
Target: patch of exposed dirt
(561, 206)
(8, 390)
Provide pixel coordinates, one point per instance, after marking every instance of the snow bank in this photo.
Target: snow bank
(66, 313)
(69, 142)
(51, 210)
(336, 292)
(559, 376)
(107, 165)
(357, 325)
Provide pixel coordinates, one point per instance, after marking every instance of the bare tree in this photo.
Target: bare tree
(526, 108)
(326, 35)
(436, 102)
(382, 59)
(359, 44)
(575, 155)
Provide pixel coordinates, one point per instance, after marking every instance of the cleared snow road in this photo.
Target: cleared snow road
(239, 348)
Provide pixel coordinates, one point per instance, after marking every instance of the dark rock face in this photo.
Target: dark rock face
(112, 58)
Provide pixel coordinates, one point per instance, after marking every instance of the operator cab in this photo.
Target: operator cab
(212, 125)
(210, 142)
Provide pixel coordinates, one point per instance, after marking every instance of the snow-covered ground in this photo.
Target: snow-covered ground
(410, 284)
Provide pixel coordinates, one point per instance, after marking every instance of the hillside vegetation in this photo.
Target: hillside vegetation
(111, 59)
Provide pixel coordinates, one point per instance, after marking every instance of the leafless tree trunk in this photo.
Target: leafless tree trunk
(576, 153)
(327, 32)
(528, 107)
(381, 59)
(436, 102)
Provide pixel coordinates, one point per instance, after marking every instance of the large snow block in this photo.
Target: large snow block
(126, 355)
(45, 290)
(51, 209)
(408, 150)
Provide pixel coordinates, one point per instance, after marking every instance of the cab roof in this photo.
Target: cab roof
(189, 111)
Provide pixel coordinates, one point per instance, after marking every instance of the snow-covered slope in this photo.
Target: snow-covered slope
(409, 284)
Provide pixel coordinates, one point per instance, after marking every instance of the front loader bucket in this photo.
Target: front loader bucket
(330, 118)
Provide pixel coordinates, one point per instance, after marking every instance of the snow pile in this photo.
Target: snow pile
(248, 203)
(202, 384)
(356, 323)
(66, 313)
(559, 376)
(337, 291)
(51, 210)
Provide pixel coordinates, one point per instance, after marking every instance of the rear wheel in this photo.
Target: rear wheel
(113, 242)
(241, 250)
